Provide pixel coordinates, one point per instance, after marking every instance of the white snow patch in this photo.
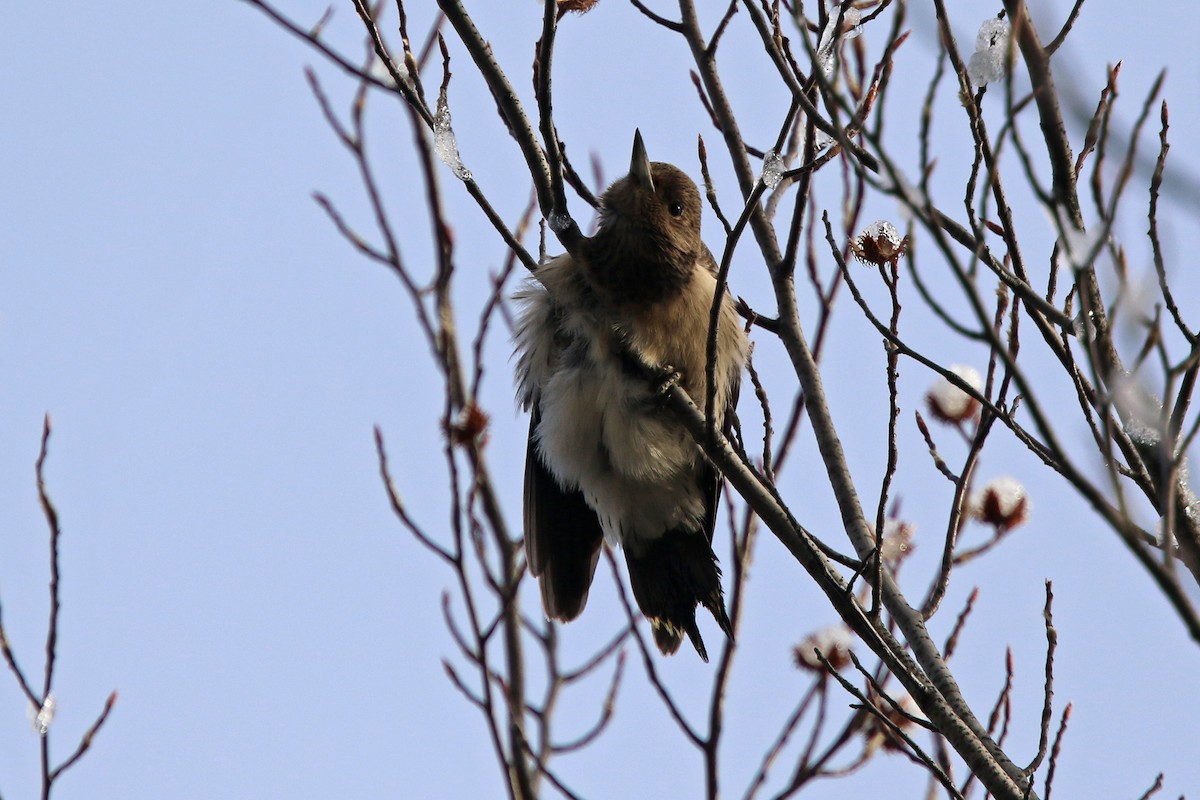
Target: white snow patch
(1141, 411)
(1192, 507)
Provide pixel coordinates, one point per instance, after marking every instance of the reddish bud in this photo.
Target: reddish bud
(576, 6)
(834, 643)
(470, 426)
(948, 403)
(1002, 503)
(900, 713)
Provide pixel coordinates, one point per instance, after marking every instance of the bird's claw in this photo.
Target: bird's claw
(667, 379)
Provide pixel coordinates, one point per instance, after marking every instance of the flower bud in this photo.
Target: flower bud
(948, 403)
(1002, 502)
(834, 643)
(880, 243)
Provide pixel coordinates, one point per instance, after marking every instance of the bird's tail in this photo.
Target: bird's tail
(671, 575)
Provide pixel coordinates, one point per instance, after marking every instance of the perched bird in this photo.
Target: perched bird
(605, 458)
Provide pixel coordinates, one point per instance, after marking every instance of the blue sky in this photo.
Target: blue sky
(214, 358)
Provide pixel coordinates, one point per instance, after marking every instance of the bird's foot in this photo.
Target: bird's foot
(667, 379)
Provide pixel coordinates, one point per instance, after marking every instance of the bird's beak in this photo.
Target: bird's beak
(639, 165)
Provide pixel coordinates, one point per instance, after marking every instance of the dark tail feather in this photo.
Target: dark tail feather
(670, 576)
(562, 537)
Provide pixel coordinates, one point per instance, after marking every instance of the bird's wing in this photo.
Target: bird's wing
(562, 535)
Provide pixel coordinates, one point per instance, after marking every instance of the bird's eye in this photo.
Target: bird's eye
(675, 208)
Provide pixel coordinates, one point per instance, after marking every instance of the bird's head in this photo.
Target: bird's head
(649, 228)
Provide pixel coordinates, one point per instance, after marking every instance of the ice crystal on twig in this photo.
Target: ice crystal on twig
(380, 72)
(851, 27)
(559, 222)
(852, 24)
(444, 142)
(772, 171)
(42, 717)
(987, 63)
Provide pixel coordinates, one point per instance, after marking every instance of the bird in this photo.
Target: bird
(605, 459)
